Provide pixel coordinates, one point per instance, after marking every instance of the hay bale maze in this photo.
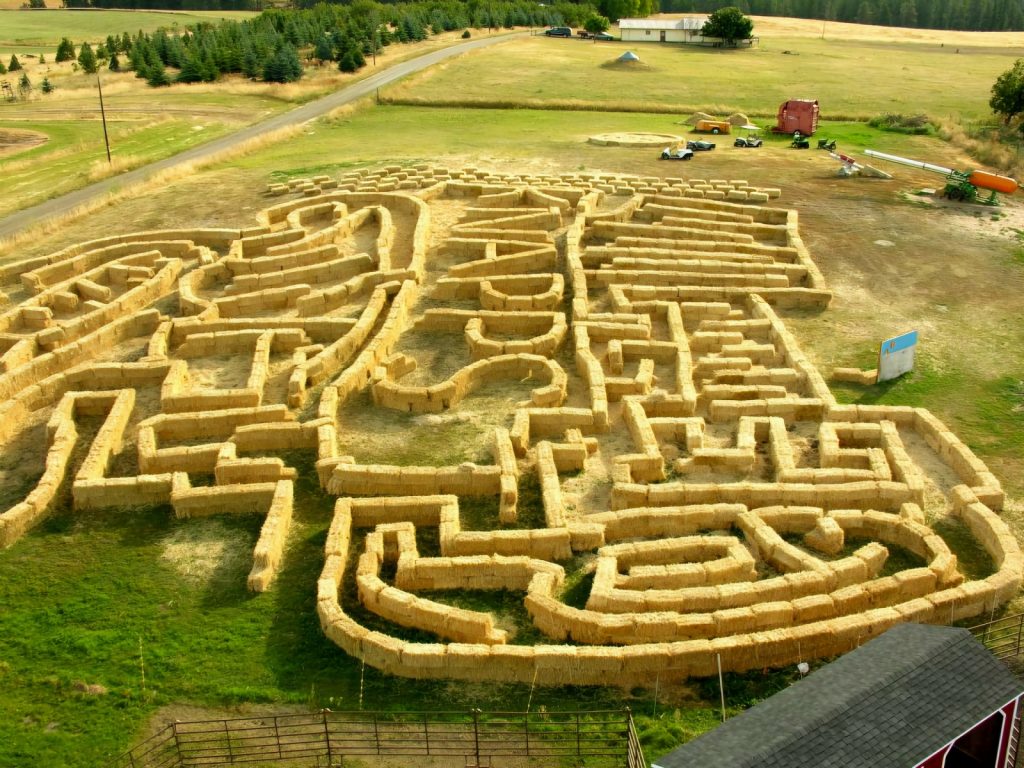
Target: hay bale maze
(695, 491)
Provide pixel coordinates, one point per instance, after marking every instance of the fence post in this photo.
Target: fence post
(177, 741)
(327, 736)
(476, 735)
(426, 733)
(376, 733)
(526, 730)
(1020, 626)
(227, 736)
(577, 734)
(277, 737)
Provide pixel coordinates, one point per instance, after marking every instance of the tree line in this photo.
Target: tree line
(973, 15)
(268, 47)
(454, 14)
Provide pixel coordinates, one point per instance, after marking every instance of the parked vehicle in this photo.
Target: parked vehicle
(752, 142)
(827, 144)
(603, 36)
(712, 126)
(558, 32)
(676, 153)
(700, 145)
(800, 141)
(797, 115)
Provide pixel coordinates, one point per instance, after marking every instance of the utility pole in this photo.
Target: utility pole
(103, 115)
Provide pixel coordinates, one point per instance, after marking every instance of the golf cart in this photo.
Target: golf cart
(700, 145)
(679, 152)
(752, 140)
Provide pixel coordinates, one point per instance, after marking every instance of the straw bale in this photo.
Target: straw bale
(827, 536)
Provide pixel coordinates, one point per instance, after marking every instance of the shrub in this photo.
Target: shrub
(465, 34)
(912, 124)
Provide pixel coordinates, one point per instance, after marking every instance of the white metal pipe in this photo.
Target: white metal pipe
(907, 161)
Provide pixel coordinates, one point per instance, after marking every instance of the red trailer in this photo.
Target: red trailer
(797, 115)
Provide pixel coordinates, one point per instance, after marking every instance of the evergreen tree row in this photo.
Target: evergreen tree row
(267, 47)
(169, 5)
(973, 15)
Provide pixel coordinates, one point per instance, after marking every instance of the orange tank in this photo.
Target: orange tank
(995, 182)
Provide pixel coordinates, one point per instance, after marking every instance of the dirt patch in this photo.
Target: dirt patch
(628, 66)
(630, 139)
(14, 141)
(197, 550)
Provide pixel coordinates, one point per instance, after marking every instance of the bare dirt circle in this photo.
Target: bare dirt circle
(633, 139)
(14, 141)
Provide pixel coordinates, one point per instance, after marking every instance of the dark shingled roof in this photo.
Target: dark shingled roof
(889, 704)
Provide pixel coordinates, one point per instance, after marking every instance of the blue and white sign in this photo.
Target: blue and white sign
(896, 356)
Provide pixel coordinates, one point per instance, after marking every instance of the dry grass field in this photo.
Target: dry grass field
(852, 74)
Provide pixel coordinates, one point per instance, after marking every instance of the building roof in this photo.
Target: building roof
(889, 704)
(689, 23)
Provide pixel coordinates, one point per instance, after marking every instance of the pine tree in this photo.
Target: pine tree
(87, 59)
(251, 63)
(210, 70)
(191, 70)
(15, 65)
(347, 61)
(324, 50)
(115, 63)
(3, 69)
(65, 51)
(42, 59)
(157, 77)
(24, 85)
(47, 86)
(283, 66)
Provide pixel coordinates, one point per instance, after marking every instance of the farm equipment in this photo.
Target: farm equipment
(700, 145)
(713, 126)
(677, 153)
(797, 116)
(828, 145)
(800, 141)
(850, 167)
(960, 185)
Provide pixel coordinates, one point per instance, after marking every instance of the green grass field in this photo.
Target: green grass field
(46, 28)
(75, 155)
(851, 79)
(95, 600)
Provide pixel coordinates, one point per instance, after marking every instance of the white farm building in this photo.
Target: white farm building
(685, 30)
